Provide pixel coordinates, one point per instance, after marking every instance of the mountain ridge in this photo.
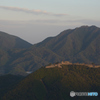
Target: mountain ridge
(8, 41)
(81, 44)
(74, 40)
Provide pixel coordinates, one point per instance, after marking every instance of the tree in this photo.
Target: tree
(93, 65)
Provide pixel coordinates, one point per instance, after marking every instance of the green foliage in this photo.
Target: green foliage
(8, 82)
(75, 45)
(7, 43)
(10, 42)
(56, 84)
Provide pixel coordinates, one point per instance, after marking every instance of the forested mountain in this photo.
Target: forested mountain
(81, 44)
(17, 56)
(10, 42)
(29, 60)
(56, 84)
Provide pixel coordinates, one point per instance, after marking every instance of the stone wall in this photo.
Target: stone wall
(68, 63)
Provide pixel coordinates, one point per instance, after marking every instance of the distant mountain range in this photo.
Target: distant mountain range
(81, 45)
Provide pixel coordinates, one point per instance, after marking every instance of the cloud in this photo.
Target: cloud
(36, 12)
(36, 30)
(50, 22)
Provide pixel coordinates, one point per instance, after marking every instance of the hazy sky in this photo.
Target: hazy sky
(34, 20)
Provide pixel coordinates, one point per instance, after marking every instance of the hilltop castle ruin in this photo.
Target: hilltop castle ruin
(59, 65)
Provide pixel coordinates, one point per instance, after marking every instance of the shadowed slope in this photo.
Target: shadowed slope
(81, 43)
(56, 84)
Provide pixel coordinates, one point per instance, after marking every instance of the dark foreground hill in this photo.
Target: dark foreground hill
(57, 83)
(8, 82)
(81, 45)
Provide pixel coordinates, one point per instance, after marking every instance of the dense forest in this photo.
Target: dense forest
(8, 82)
(81, 44)
(56, 84)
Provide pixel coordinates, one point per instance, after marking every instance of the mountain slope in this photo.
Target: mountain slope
(10, 42)
(17, 57)
(81, 43)
(56, 84)
(30, 60)
(8, 82)
(7, 43)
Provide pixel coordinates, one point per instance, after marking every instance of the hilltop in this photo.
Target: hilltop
(8, 42)
(56, 84)
(59, 65)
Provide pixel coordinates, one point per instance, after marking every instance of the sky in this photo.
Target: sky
(35, 20)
